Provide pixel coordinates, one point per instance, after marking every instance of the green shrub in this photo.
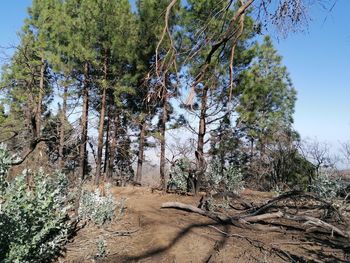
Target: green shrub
(227, 178)
(327, 186)
(33, 219)
(101, 247)
(97, 208)
(180, 173)
(5, 163)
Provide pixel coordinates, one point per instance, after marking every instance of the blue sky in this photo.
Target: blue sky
(319, 64)
(318, 61)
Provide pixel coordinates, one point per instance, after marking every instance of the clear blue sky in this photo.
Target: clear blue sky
(318, 60)
(319, 64)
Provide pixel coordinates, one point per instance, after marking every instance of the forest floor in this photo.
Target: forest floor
(146, 233)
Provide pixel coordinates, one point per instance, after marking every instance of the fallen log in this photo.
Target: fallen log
(253, 219)
(243, 220)
(193, 209)
(316, 222)
(219, 217)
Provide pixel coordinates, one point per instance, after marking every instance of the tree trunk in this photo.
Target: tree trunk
(40, 99)
(102, 121)
(100, 137)
(113, 145)
(141, 151)
(84, 125)
(63, 127)
(162, 129)
(201, 134)
(108, 133)
(30, 108)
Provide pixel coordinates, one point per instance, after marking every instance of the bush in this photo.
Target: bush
(5, 163)
(327, 186)
(101, 247)
(228, 178)
(180, 173)
(97, 208)
(33, 219)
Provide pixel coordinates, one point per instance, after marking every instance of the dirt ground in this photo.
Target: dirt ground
(147, 233)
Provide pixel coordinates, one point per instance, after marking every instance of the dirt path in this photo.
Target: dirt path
(166, 235)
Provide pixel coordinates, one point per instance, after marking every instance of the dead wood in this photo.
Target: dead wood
(263, 217)
(316, 223)
(298, 196)
(307, 219)
(219, 217)
(193, 209)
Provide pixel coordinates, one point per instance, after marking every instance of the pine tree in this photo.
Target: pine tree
(149, 28)
(78, 29)
(211, 88)
(113, 25)
(27, 86)
(267, 97)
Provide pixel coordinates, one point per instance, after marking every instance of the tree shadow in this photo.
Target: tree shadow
(162, 249)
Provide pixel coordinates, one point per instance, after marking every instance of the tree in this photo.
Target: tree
(318, 153)
(211, 89)
(266, 96)
(27, 86)
(149, 28)
(112, 27)
(75, 46)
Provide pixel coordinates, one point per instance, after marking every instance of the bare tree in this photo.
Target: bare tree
(345, 150)
(318, 153)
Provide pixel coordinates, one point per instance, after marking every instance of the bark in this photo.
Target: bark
(62, 128)
(310, 223)
(84, 125)
(193, 209)
(100, 138)
(40, 99)
(108, 133)
(29, 111)
(113, 146)
(83, 138)
(201, 134)
(30, 121)
(162, 144)
(140, 158)
(101, 123)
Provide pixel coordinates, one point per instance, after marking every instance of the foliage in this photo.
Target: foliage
(101, 245)
(267, 96)
(33, 218)
(179, 174)
(5, 163)
(285, 164)
(98, 208)
(327, 185)
(70, 153)
(262, 143)
(212, 204)
(225, 177)
(121, 65)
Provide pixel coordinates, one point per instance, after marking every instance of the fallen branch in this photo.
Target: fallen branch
(193, 209)
(318, 223)
(263, 217)
(221, 218)
(242, 220)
